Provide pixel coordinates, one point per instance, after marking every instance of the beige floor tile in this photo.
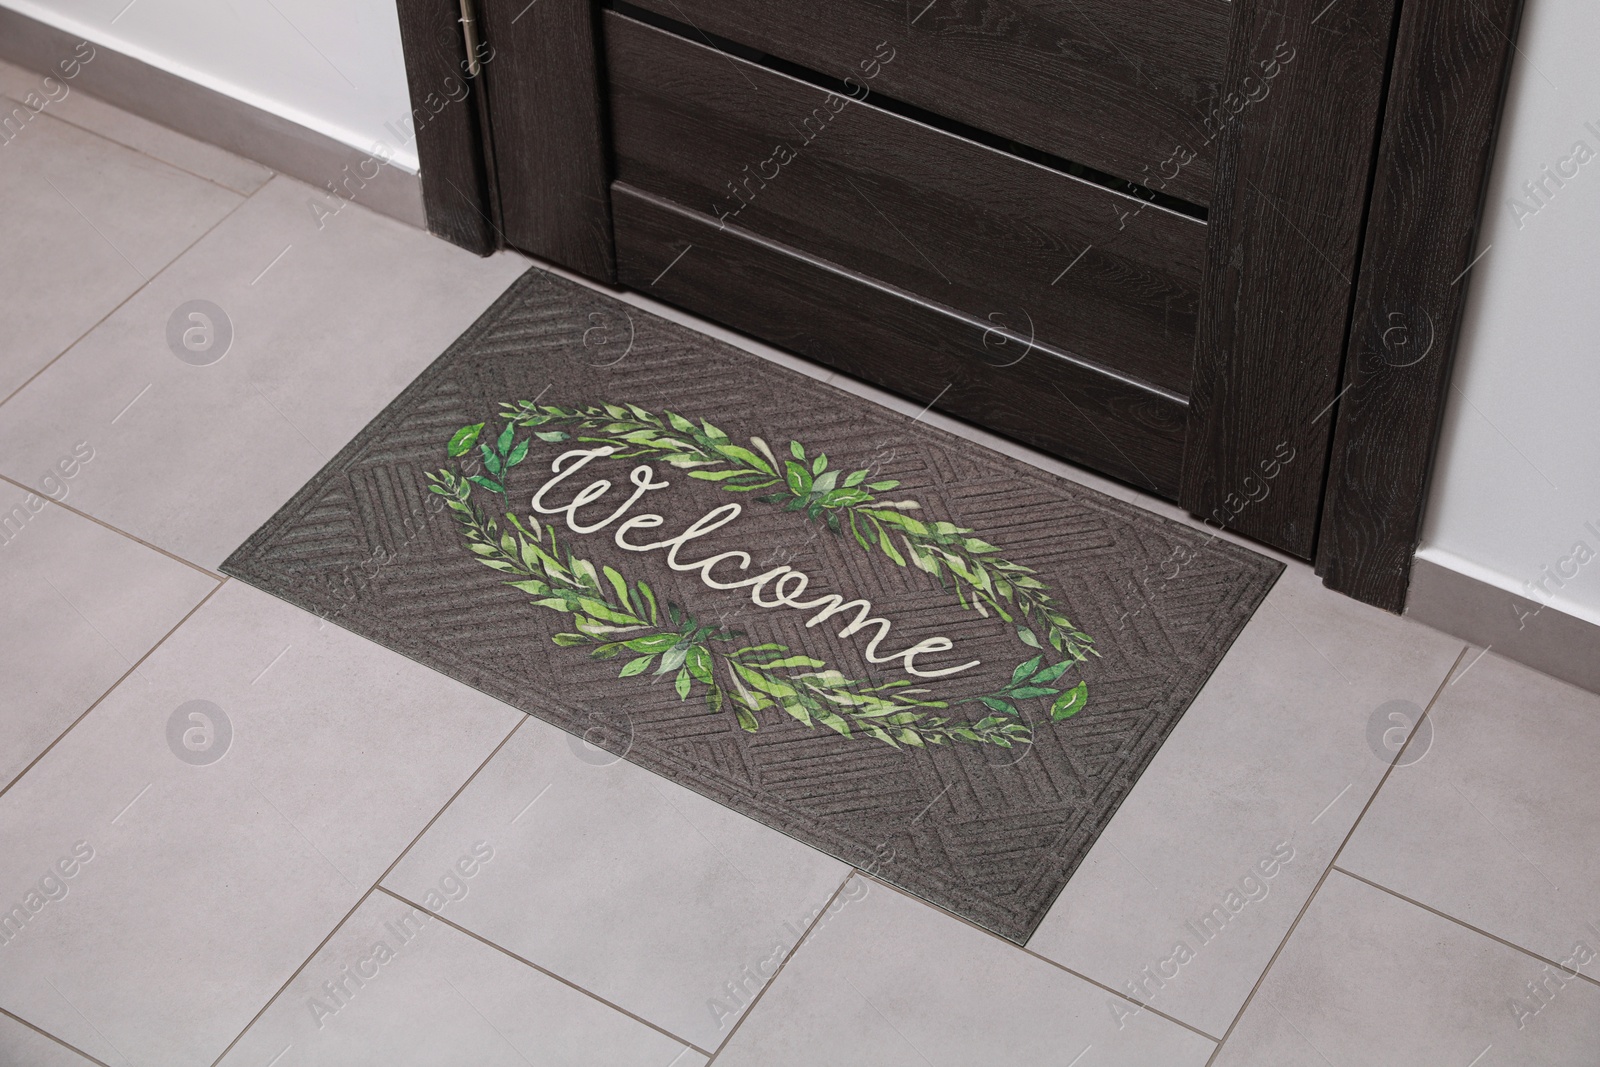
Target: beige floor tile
(26, 1047)
(398, 987)
(1275, 752)
(1372, 980)
(622, 882)
(1498, 824)
(888, 981)
(189, 857)
(86, 223)
(327, 326)
(82, 605)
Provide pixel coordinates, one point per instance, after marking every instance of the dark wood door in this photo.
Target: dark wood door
(1127, 233)
(1001, 289)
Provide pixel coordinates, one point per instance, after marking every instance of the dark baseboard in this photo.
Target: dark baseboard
(213, 117)
(1561, 645)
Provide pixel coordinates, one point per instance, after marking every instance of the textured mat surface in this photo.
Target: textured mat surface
(927, 659)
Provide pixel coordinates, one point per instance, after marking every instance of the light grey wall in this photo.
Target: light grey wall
(1516, 496)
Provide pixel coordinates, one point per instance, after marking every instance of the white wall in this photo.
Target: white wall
(332, 65)
(1518, 474)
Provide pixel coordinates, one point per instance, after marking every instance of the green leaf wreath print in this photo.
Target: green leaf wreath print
(619, 618)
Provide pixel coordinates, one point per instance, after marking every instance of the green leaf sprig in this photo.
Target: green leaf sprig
(616, 618)
(953, 555)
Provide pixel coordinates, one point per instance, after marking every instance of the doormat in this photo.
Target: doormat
(934, 662)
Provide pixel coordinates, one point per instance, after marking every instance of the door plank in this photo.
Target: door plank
(1114, 85)
(548, 132)
(1080, 267)
(1450, 71)
(455, 181)
(919, 349)
(1292, 179)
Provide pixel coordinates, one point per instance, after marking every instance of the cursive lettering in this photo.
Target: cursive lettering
(780, 587)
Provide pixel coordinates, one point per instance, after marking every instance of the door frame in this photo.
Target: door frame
(1341, 243)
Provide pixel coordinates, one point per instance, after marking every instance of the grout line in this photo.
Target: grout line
(67, 121)
(569, 983)
(375, 886)
(1521, 855)
(303, 965)
(1026, 951)
(251, 782)
(770, 982)
(101, 1034)
(1371, 799)
(378, 887)
(63, 505)
(111, 689)
(142, 287)
(45, 1033)
(1468, 926)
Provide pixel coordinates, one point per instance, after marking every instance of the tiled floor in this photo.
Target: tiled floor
(231, 833)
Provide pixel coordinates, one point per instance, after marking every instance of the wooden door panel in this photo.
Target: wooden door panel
(1286, 230)
(930, 353)
(1073, 265)
(1433, 171)
(1114, 85)
(974, 109)
(548, 139)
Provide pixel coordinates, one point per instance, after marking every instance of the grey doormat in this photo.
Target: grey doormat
(927, 659)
